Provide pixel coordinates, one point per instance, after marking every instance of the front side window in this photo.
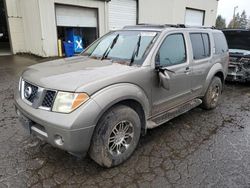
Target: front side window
(172, 51)
(122, 46)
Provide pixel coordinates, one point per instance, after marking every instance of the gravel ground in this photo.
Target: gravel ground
(198, 149)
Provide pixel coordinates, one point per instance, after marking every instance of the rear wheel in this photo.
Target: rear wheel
(211, 98)
(116, 136)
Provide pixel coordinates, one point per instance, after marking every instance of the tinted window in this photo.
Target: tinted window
(220, 43)
(172, 51)
(201, 45)
(206, 42)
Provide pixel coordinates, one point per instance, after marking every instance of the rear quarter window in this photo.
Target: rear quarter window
(220, 43)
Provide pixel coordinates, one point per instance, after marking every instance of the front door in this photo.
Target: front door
(172, 55)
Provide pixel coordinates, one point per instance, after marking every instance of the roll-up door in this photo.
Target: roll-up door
(71, 16)
(194, 17)
(122, 13)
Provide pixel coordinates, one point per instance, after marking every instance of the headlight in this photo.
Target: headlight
(66, 102)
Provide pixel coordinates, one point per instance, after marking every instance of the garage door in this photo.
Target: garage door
(70, 16)
(194, 17)
(122, 13)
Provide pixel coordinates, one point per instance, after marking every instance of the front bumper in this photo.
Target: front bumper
(237, 73)
(75, 129)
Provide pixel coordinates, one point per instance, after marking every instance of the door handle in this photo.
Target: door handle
(187, 70)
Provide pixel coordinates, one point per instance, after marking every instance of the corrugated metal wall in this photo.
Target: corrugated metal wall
(122, 13)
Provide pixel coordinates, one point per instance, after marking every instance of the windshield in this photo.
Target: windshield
(129, 46)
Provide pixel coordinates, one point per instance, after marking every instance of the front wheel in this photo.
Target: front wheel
(211, 98)
(116, 136)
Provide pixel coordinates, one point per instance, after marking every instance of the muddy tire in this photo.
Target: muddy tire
(211, 98)
(116, 136)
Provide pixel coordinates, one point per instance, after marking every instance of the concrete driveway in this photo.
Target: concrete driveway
(198, 149)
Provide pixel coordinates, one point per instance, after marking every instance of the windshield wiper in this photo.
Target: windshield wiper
(110, 47)
(136, 51)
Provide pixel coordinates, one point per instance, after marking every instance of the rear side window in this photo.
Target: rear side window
(201, 45)
(206, 42)
(220, 43)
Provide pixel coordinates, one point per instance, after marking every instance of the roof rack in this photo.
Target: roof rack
(159, 26)
(200, 27)
(145, 25)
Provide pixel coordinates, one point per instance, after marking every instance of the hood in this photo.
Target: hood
(72, 73)
(238, 38)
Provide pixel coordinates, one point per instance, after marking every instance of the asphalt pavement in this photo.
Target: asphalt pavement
(198, 149)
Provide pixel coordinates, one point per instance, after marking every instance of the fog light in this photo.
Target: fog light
(59, 140)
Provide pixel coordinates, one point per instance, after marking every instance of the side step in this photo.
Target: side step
(173, 113)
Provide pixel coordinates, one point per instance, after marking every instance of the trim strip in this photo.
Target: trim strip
(39, 131)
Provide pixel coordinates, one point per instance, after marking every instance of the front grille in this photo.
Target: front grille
(48, 99)
(36, 96)
(234, 59)
(30, 96)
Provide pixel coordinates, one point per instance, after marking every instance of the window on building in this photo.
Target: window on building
(168, 54)
(200, 45)
(220, 43)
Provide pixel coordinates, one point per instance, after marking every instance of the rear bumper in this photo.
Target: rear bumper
(74, 129)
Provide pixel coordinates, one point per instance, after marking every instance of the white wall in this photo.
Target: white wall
(32, 27)
(15, 23)
(173, 11)
(156, 11)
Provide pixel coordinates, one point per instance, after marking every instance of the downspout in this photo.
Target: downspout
(137, 12)
(106, 13)
(41, 27)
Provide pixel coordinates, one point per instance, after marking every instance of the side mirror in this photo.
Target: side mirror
(164, 79)
(163, 73)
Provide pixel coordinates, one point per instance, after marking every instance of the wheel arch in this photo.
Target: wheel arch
(221, 76)
(216, 70)
(123, 94)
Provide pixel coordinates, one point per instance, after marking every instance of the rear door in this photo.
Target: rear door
(172, 55)
(201, 61)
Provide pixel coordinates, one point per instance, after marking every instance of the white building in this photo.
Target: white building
(34, 26)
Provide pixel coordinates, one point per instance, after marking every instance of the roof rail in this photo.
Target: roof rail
(144, 25)
(200, 27)
(167, 25)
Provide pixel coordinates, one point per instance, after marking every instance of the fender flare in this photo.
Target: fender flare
(116, 93)
(216, 68)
